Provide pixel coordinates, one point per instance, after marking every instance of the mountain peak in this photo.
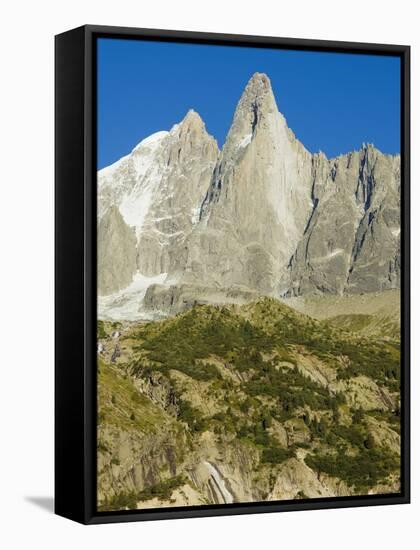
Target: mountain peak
(258, 91)
(192, 130)
(258, 83)
(192, 118)
(256, 101)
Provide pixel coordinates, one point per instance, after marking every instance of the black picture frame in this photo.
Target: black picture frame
(75, 273)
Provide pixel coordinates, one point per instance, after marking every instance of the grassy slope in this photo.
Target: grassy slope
(121, 405)
(386, 303)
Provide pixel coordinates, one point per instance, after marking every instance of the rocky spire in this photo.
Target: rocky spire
(259, 195)
(255, 105)
(257, 98)
(191, 137)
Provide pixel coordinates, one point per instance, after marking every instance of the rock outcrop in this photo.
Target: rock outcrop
(352, 241)
(117, 252)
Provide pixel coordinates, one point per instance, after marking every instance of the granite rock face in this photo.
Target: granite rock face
(158, 189)
(352, 241)
(189, 155)
(117, 252)
(263, 215)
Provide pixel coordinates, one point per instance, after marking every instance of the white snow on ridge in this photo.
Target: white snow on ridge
(108, 170)
(125, 304)
(151, 141)
(132, 183)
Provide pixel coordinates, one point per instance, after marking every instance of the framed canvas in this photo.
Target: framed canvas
(232, 274)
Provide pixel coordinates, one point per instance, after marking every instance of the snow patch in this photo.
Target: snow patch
(134, 208)
(332, 254)
(124, 305)
(396, 231)
(133, 179)
(245, 141)
(195, 215)
(335, 252)
(135, 205)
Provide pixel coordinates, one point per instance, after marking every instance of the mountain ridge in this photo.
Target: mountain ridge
(262, 214)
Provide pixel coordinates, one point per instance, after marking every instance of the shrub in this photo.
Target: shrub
(363, 470)
(276, 455)
(128, 500)
(102, 447)
(100, 330)
(193, 417)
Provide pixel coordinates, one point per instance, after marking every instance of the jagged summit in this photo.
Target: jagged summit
(256, 102)
(192, 117)
(151, 141)
(191, 125)
(258, 84)
(259, 194)
(157, 189)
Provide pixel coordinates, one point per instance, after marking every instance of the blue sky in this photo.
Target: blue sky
(333, 102)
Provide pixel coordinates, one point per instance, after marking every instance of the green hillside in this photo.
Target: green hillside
(262, 392)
